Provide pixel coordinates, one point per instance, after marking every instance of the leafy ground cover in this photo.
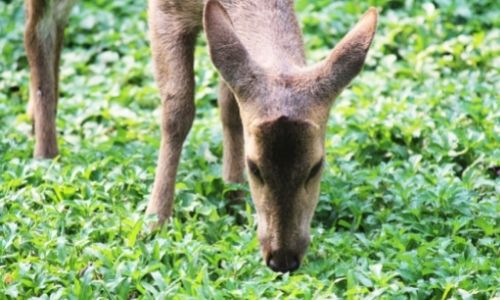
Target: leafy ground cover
(409, 204)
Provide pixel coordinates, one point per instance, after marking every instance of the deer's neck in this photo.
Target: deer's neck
(270, 32)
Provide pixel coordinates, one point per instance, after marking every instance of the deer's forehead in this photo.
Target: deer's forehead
(284, 141)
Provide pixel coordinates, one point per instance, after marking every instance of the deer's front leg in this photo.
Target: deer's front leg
(233, 153)
(43, 38)
(173, 55)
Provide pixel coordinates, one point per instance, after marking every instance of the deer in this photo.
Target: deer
(274, 107)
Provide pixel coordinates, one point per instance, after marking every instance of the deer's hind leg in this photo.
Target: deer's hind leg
(173, 38)
(43, 38)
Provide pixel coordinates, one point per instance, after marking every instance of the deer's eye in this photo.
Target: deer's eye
(254, 170)
(315, 170)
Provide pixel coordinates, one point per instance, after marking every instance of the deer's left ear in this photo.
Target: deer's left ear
(329, 77)
(226, 50)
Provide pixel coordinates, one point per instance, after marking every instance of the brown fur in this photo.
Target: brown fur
(274, 108)
(284, 107)
(45, 22)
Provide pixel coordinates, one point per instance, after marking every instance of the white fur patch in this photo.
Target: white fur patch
(63, 9)
(56, 13)
(46, 27)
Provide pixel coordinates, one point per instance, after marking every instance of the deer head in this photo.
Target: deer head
(284, 114)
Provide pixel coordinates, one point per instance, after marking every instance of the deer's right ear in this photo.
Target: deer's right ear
(329, 77)
(226, 50)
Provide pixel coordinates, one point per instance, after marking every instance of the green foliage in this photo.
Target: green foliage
(409, 204)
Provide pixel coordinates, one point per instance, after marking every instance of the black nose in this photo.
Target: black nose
(283, 262)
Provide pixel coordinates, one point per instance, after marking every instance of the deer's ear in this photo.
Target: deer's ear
(346, 60)
(226, 50)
